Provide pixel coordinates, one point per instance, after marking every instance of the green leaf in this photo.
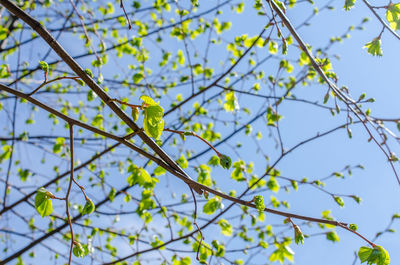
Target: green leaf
(44, 66)
(89, 207)
(111, 194)
(138, 176)
(226, 227)
(364, 253)
(153, 122)
(349, 4)
(332, 236)
(137, 78)
(214, 161)
(158, 171)
(7, 149)
(43, 204)
(148, 100)
(3, 33)
(225, 161)
(377, 255)
(339, 200)
(393, 15)
(273, 184)
(374, 47)
(182, 161)
(231, 104)
(181, 57)
(259, 202)
(212, 205)
(78, 250)
(154, 114)
(273, 47)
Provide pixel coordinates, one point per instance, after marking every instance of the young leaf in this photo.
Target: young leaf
(78, 250)
(153, 122)
(374, 47)
(226, 227)
(259, 202)
(377, 255)
(43, 204)
(225, 161)
(138, 176)
(44, 66)
(332, 236)
(339, 200)
(148, 100)
(349, 4)
(89, 207)
(298, 235)
(212, 205)
(393, 15)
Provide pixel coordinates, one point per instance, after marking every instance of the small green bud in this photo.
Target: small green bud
(89, 72)
(298, 235)
(135, 114)
(353, 227)
(44, 66)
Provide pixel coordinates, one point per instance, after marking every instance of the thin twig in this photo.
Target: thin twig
(71, 146)
(126, 15)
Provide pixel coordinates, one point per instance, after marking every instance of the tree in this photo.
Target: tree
(178, 132)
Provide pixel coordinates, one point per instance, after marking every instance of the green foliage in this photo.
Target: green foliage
(231, 104)
(158, 171)
(89, 72)
(339, 200)
(393, 15)
(89, 207)
(332, 236)
(225, 161)
(44, 66)
(226, 227)
(374, 47)
(80, 251)
(377, 255)
(182, 161)
(43, 203)
(282, 252)
(3, 33)
(153, 122)
(220, 248)
(139, 176)
(212, 205)
(273, 184)
(204, 176)
(214, 161)
(349, 4)
(259, 202)
(298, 235)
(5, 155)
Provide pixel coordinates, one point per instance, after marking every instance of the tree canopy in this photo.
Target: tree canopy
(187, 132)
